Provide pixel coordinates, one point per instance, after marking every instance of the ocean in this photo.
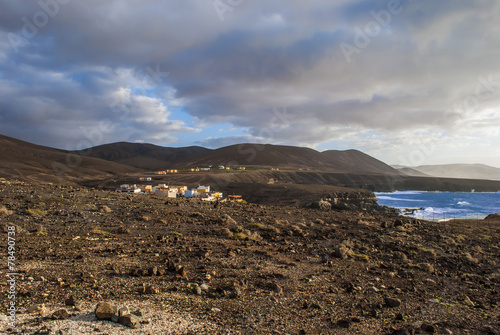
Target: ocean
(438, 206)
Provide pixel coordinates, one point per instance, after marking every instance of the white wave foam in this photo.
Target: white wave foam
(383, 197)
(463, 203)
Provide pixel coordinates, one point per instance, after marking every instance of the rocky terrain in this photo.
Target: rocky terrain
(163, 266)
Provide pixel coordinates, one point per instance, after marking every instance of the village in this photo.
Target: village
(163, 190)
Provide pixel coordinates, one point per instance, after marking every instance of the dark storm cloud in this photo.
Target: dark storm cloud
(344, 70)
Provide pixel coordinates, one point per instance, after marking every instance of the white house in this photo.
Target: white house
(172, 193)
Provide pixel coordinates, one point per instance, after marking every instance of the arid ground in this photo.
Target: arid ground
(190, 267)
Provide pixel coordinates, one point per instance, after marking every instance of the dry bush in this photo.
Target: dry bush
(468, 257)
(240, 236)
(5, 211)
(36, 212)
(400, 255)
(259, 226)
(228, 220)
(281, 222)
(105, 209)
(226, 232)
(343, 250)
(426, 267)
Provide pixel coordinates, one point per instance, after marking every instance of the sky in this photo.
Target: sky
(410, 82)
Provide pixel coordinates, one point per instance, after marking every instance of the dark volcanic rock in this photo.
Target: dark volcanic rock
(391, 302)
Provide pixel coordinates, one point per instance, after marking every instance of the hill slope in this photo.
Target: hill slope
(29, 161)
(291, 157)
(144, 156)
(463, 171)
(410, 171)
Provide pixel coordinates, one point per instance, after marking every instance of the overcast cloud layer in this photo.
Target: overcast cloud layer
(410, 82)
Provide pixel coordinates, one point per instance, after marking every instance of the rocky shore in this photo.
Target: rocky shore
(93, 261)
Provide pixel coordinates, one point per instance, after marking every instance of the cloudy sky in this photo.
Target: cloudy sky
(410, 82)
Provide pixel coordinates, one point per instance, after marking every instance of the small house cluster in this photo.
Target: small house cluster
(126, 188)
(166, 172)
(163, 190)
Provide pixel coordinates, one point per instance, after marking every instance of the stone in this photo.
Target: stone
(130, 321)
(123, 311)
(204, 287)
(60, 314)
(235, 293)
(276, 288)
(197, 290)
(401, 332)
(139, 312)
(182, 272)
(153, 271)
(391, 302)
(428, 328)
(37, 309)
(104, 311)
(70, 301)
(151, 290)
(344, 323)
(468, 302)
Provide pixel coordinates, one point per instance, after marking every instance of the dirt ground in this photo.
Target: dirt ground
(193, 267)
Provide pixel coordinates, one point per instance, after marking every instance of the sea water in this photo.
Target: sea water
(442, 205)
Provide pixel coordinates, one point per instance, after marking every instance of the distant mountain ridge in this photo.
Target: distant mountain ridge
(143, 156)
(149, 156)
(24, 160)
(461, 171)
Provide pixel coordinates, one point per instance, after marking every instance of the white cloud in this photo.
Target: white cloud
(403, 83)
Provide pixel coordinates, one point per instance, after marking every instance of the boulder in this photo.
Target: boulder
(104, 311)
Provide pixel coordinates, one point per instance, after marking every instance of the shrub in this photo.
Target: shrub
(240, 236)
(259, 226)
(228, 220)
(324, 205)
(175, 233)
(226, 232)
(100, 232)
(5, 211)
(35, 212)
(426, 267)
(105, 209)
(468, 257)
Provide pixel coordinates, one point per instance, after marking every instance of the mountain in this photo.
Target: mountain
(290, 157)
(410, 171)
(462, 171)
(143, 156)
(33, 162)
(358, 161)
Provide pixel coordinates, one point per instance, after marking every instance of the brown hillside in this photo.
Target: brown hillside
(25, 160)
(291, 157)
(144, 156)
